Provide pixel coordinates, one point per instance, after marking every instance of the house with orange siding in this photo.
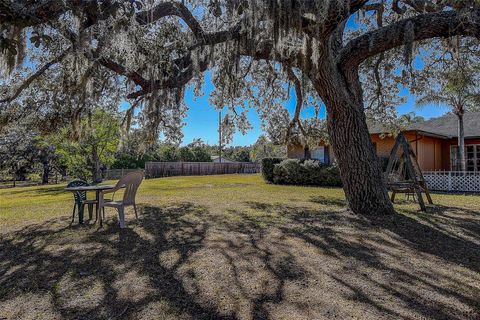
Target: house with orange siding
(435, 142)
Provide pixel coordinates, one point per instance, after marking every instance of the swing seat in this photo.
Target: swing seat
(409, 188)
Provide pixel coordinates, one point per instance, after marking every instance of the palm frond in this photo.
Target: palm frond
(435, 100)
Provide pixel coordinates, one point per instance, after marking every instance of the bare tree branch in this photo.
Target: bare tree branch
(298, 106)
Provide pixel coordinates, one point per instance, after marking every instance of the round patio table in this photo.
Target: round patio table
(98, 197)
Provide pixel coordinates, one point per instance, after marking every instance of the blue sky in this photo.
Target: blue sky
(202, 119)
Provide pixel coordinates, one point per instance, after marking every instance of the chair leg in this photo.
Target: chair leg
(121, 216)
(81, 211)
(73, 214)
(90, 211)
(103, 210)
(135, 209)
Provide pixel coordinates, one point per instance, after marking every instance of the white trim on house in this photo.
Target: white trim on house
(472, 157)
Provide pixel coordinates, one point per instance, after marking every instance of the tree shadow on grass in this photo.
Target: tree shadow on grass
(38, 189)
(174, 262)
(184, 262)
(402, 248)
(459, 222)
(72, 265)
(331, 202)
(440, 240)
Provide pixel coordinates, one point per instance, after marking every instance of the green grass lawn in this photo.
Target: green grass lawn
(233, 247)
(220, 194)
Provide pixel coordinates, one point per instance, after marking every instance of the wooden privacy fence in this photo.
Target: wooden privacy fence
(166, 169)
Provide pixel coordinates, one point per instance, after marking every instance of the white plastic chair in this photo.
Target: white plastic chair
(130, 182)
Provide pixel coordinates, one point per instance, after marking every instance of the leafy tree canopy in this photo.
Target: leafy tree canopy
(264, 148)
(93, 149)
(23, 150)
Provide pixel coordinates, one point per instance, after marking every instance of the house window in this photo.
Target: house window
(319, 153)
(472, 158)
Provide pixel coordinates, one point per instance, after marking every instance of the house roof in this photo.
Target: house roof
(445, 126)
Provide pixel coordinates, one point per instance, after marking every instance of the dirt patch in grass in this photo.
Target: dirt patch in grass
(261, 260)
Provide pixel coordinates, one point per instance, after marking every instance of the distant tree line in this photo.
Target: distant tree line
(134, 153)
(29, 151)
(23, 152)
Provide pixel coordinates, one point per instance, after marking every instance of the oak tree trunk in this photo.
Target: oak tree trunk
(46, 172)
(97, 172)
(361, 175)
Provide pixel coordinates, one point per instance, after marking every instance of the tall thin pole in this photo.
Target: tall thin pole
(220, 136)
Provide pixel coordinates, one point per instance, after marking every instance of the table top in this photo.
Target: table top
(90, 188)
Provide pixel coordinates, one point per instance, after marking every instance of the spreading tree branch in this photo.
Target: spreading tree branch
(166, 9)
(35, 76)
(247, 47)
(425, 26)
(337, 13)
(298, 107)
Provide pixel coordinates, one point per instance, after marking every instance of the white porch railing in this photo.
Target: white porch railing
(456, 181)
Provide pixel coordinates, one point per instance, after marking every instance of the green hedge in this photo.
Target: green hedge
(267, 168)
(307, 172)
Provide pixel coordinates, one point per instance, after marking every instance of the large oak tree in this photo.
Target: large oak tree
(158, 47)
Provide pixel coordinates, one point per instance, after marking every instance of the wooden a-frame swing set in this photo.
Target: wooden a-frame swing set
(403, 174)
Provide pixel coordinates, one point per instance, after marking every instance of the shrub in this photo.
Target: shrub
(308, 172)
(267, 168)
(288, 171)
(131, 161)
(333, 178)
